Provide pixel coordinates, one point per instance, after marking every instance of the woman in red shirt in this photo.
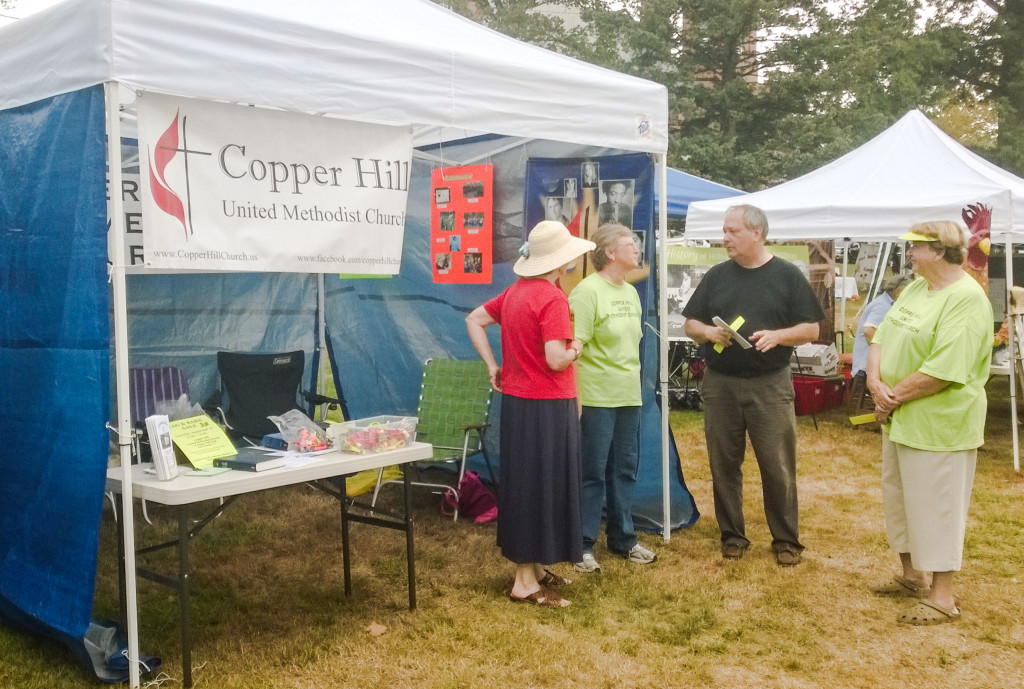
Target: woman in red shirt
(539, 518)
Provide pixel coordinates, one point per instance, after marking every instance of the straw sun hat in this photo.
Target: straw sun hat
(550, 246)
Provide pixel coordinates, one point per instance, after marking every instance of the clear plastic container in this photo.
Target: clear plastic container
(373, 434)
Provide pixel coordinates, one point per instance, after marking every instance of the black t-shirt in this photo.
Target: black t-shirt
(773, 296)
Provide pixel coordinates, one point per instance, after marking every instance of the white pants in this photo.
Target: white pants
(925, 496)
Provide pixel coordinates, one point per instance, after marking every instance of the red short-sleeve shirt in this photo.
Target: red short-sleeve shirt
(532, 312)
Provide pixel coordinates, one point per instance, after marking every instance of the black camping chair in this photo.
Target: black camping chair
(255, 386)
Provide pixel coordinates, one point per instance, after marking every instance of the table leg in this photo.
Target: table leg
(343, 490)
(409, 548)
(183, 595)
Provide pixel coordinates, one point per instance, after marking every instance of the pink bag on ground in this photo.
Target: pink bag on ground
(475, 501)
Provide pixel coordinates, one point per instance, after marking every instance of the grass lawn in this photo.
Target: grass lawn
(269, 611)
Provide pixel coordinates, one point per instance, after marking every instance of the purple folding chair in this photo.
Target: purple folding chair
(147, 387)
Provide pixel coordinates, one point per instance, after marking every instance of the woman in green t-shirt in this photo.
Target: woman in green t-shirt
(607, 320)
(927, 367)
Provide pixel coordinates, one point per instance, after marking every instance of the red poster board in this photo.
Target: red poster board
(461, 222)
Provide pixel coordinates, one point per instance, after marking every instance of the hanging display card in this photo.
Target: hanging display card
(461, 222)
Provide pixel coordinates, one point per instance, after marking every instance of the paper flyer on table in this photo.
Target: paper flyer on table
(201, 440)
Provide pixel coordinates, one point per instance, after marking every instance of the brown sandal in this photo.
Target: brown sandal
(552, 579)
(899, 586)
(543, 597)
(928, 613)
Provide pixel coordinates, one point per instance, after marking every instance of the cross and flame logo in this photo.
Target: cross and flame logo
(168, 146)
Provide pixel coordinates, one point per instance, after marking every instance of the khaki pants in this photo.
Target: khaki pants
(925, 496)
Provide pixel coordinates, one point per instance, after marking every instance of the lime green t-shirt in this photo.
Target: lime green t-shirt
(946, 334)
(607, 320)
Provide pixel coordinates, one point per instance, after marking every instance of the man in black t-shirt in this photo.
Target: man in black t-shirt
(750, 391)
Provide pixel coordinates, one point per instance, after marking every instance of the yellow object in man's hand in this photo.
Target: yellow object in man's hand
(734, 330)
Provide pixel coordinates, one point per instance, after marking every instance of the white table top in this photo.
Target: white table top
(188, 489)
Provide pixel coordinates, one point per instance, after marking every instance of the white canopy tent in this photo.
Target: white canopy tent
(388, 61)
(397, 62)
(909, 173)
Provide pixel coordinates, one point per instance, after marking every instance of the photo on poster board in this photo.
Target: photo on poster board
(555, 209)
(472, 263)
(687, 266)
(589, 174)
(461, 224)
(616, 203)
(640, 239)
(550, 183)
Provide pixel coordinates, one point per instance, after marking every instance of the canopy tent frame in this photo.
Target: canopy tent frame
(127, 46)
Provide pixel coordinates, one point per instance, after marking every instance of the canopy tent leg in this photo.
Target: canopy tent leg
(321, 338)
(118, 285)
(842, 277)
(1011, 341)
(666, 502)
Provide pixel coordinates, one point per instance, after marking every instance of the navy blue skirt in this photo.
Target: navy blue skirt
(539, 518)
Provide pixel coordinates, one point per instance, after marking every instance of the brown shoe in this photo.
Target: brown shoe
(733, 551)
(899, 586)
(787, 558)
(927, 613)
(544, 597)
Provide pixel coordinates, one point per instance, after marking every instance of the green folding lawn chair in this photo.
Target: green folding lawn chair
(455, 400)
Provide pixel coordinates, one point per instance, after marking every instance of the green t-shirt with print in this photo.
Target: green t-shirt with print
(945, 334)
(607, 320)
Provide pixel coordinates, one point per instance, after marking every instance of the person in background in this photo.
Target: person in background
(539, 519)
(607, 320)
(871, 316)
(750, 391)
(927, 368)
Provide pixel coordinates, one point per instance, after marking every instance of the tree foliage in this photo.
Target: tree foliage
(986, 39)
(761, 91)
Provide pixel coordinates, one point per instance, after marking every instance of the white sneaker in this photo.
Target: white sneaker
(640, 555)
(588, 564)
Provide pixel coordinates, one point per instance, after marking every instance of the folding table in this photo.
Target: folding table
(184, 491)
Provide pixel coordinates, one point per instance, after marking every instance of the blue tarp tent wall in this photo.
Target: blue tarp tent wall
(69, 76)
(684, 188)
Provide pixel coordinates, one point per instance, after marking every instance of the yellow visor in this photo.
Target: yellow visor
(915, 237)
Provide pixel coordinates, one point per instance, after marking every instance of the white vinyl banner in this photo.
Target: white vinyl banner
(234, 188)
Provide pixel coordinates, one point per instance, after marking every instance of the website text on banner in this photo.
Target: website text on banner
(233, 188)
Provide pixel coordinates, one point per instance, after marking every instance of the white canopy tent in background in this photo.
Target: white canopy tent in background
(397, 62)
(909, 173)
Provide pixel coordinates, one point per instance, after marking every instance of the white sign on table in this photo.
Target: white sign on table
(234, 188)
